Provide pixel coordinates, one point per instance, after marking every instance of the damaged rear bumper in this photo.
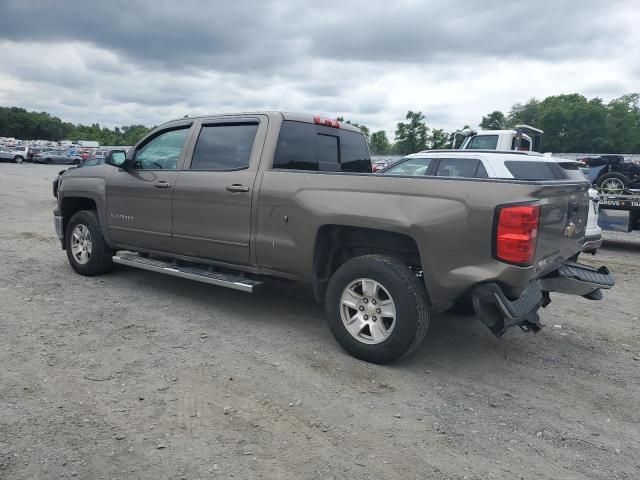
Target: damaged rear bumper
(500, 313)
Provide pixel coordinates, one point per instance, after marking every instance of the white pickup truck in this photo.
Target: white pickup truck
(522, 138)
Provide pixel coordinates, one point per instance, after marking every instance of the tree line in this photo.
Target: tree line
(21, 124)
(571, 123)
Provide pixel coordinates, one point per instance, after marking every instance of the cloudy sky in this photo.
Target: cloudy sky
(122, 62)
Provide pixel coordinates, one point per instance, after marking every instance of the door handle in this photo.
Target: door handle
(237, 188)
(162, 184)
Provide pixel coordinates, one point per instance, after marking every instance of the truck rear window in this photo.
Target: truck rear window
(306, 146)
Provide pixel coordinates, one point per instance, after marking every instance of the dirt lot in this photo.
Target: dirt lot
(137, 375)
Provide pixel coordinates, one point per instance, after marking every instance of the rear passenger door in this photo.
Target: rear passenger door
(213, 192)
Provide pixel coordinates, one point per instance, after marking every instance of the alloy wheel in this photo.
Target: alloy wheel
(81, 244)
(368, 311)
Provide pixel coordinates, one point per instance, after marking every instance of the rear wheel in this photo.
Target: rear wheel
(377, 308)
(613, 183)
(87, 251)
(18, 159)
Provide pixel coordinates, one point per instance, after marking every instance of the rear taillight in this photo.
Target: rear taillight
(516, 233)
(327, 122)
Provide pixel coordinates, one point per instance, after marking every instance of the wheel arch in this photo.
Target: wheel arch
(335, 244)
(70, 205)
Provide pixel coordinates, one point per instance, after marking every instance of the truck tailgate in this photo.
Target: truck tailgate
(564, 210)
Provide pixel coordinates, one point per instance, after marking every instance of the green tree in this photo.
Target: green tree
(494, 121)
(380, 143)
(438, 139)
(24, 125)
(623, 123)
(411, 136)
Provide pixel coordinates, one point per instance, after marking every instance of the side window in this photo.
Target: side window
(457, 167)
(161, 152)
(411, 167)
(483, 142)
(481, 172)
(534, 170)
(224, 147)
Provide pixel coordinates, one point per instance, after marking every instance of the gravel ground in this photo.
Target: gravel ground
(138, 375)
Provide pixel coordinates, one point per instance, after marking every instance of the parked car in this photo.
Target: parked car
(612, 174)
(200, 198)
(18, 153)
(500, 164)
(593, 232)
(381, 163)
(57, 156)
(88, 163)
(101, 154)
(6, 155)
(33, 151)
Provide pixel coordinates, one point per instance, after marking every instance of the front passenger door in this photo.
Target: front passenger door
(139, 199)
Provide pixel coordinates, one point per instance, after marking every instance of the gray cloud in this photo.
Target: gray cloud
(141, 61)
(248, 35)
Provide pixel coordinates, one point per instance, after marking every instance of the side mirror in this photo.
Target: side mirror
(116, 158)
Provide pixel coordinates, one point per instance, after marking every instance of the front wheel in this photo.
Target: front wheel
(377, 308)
(87, 250)
(18, 159)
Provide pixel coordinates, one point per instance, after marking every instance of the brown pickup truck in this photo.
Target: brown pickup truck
(233, 199)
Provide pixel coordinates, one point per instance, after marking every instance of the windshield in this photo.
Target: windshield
(483, 142)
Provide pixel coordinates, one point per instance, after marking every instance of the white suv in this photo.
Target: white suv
(500, 164)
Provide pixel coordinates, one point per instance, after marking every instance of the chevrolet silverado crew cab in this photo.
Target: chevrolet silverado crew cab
(233, 199)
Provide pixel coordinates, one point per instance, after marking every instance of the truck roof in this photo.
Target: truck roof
(297, 117)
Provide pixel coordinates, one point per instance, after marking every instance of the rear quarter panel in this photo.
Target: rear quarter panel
(451, 221)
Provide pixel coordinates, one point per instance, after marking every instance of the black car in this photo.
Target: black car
(612, 173)
(87, 163)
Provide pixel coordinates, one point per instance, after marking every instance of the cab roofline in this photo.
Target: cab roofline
(293, 116)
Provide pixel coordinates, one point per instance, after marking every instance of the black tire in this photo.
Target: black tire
(613, 175)
(18, 159)
(408, 294)
(100, 260)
